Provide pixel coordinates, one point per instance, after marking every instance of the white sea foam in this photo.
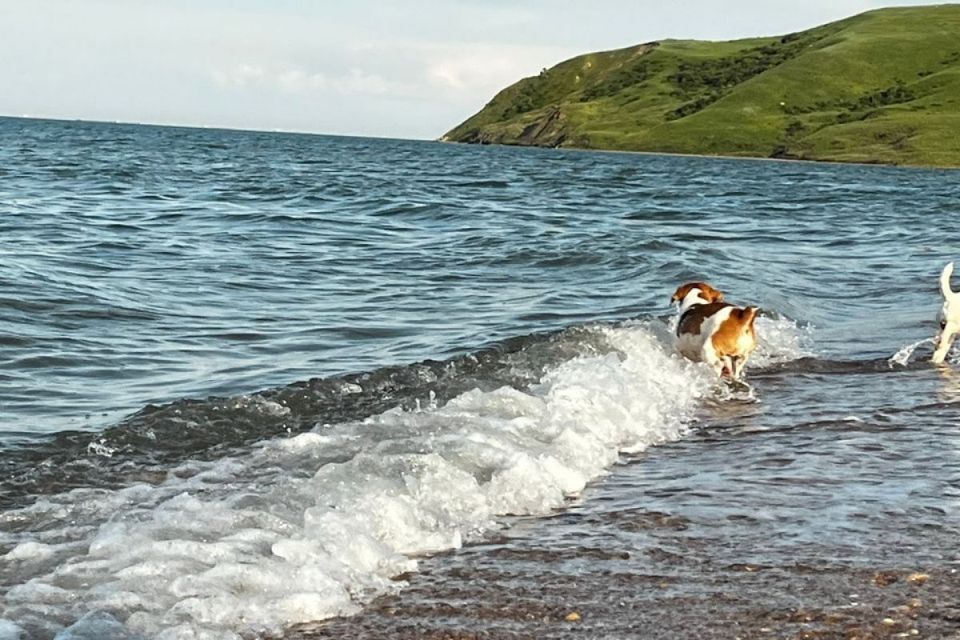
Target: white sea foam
(314, 525)
(10, 631)
(780, 340)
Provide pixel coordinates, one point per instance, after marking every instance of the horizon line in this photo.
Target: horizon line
(168, 125)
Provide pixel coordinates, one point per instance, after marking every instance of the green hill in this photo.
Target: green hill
(882, 86)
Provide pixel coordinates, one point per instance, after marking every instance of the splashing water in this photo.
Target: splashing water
(902, 357)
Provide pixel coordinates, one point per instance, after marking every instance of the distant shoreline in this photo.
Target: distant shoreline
(889, 165)
(445, 140)
(201, 127)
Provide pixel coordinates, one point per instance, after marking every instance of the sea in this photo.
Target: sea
(252, 380)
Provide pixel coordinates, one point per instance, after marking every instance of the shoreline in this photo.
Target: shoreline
(443, 140)
(678, 543)
(925, 167)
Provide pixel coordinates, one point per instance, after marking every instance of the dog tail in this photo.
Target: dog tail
(945, 281)
(748, 316)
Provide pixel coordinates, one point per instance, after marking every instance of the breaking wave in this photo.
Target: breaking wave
(304, 526)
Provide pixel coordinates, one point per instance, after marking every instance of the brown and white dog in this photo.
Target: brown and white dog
(949, 316)
(713, 331)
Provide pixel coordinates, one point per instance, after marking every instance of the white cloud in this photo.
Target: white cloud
(239, 76)
(296, 80)
(263, 78)
(482, 67)
(360, 82)
(466, 72)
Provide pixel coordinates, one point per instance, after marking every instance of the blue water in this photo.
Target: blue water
(154, 280)
(145, 264)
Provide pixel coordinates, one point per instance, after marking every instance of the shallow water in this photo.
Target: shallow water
(247, 377)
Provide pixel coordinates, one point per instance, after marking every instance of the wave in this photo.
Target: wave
(305, 526)
(154, 438)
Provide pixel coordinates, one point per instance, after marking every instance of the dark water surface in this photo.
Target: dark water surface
(247, 377)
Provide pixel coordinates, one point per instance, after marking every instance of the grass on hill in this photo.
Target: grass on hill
(883, 86)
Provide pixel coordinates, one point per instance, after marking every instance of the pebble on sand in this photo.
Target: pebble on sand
(883, 578)
(918, 578)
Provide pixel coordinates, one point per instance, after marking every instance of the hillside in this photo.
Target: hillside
(882, 86)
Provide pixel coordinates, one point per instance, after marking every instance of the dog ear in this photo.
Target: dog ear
(945, 281)
(682, 292)
(711, 294)
(707, 292)
(684, 289)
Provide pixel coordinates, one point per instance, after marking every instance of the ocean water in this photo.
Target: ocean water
(249, 379)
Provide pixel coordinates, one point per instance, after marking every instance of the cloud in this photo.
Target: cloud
(294, 80)
(483, 67)
(297, 80)
(360, 82)
(467, 71)
(239, 76)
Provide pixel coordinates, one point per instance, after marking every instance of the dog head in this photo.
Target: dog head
(949, 316)
(703, 293)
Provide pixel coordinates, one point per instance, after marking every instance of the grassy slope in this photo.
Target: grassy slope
(883, 86)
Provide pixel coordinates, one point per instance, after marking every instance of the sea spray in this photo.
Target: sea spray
(902, 357)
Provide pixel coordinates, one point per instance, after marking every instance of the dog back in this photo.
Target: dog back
(693, 318)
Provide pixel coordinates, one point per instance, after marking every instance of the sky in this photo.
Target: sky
(392, 68)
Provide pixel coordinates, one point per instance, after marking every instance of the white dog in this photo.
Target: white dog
(949, 316)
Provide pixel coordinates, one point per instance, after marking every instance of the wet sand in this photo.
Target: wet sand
(825, 531)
